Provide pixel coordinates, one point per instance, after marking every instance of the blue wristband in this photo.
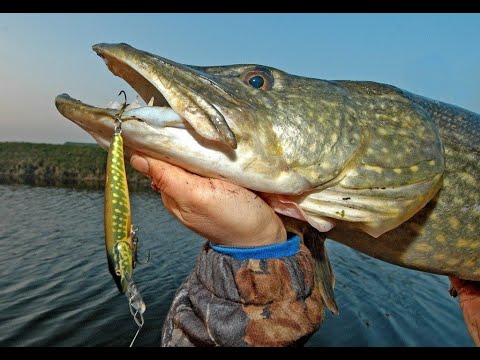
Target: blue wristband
(275, 251)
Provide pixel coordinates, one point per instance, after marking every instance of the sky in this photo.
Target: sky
(43, 55)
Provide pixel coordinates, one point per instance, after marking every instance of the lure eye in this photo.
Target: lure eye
(259, 79)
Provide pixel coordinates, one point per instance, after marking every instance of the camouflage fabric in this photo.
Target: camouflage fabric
(229, 302)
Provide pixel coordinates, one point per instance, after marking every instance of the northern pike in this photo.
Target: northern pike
(387, 172)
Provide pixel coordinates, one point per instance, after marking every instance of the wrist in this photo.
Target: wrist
(274, 234)
(270, 233)
(271, 251)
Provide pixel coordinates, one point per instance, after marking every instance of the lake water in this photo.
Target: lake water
(55, 288)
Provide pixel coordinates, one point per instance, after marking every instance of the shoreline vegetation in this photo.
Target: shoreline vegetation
(72, 165)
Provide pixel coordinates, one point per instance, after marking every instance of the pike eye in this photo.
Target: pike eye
(259, 79)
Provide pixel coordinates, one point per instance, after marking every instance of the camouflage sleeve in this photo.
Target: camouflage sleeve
(251, 302)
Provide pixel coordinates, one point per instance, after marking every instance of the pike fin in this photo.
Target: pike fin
(315, 242)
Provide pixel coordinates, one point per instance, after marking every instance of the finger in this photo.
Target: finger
(468, 290)
(167, 178)
(456, 283)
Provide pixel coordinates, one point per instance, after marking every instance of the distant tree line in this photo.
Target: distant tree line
(74, 165)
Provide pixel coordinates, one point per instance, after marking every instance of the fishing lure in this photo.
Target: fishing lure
(120, 235)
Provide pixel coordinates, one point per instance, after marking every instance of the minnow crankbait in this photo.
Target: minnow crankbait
(120, 235)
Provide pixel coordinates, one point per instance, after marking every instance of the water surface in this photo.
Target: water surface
(55, 288)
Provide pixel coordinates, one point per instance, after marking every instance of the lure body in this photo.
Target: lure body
(118, 236)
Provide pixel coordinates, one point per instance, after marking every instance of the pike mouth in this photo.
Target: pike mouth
(99, 122)
(166, 95)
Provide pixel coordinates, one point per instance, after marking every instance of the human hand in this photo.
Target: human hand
(223, 213)
(469, 292)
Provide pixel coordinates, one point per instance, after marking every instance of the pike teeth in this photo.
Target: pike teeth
(114, 105)
(150, 103)
(136, 103)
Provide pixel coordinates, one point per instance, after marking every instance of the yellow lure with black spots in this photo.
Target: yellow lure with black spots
(118, 237)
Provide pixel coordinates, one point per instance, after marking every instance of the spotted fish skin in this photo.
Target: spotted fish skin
(118, 240)
(443, 236)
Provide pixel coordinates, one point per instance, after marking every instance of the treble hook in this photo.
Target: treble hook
(119, 114)
(134, 230)
(124, 95)
(142, 262)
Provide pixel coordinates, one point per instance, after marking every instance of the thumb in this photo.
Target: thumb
(140, 163)
(166, 178)
(468, 290)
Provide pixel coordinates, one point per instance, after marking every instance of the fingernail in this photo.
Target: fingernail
(139, 163)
